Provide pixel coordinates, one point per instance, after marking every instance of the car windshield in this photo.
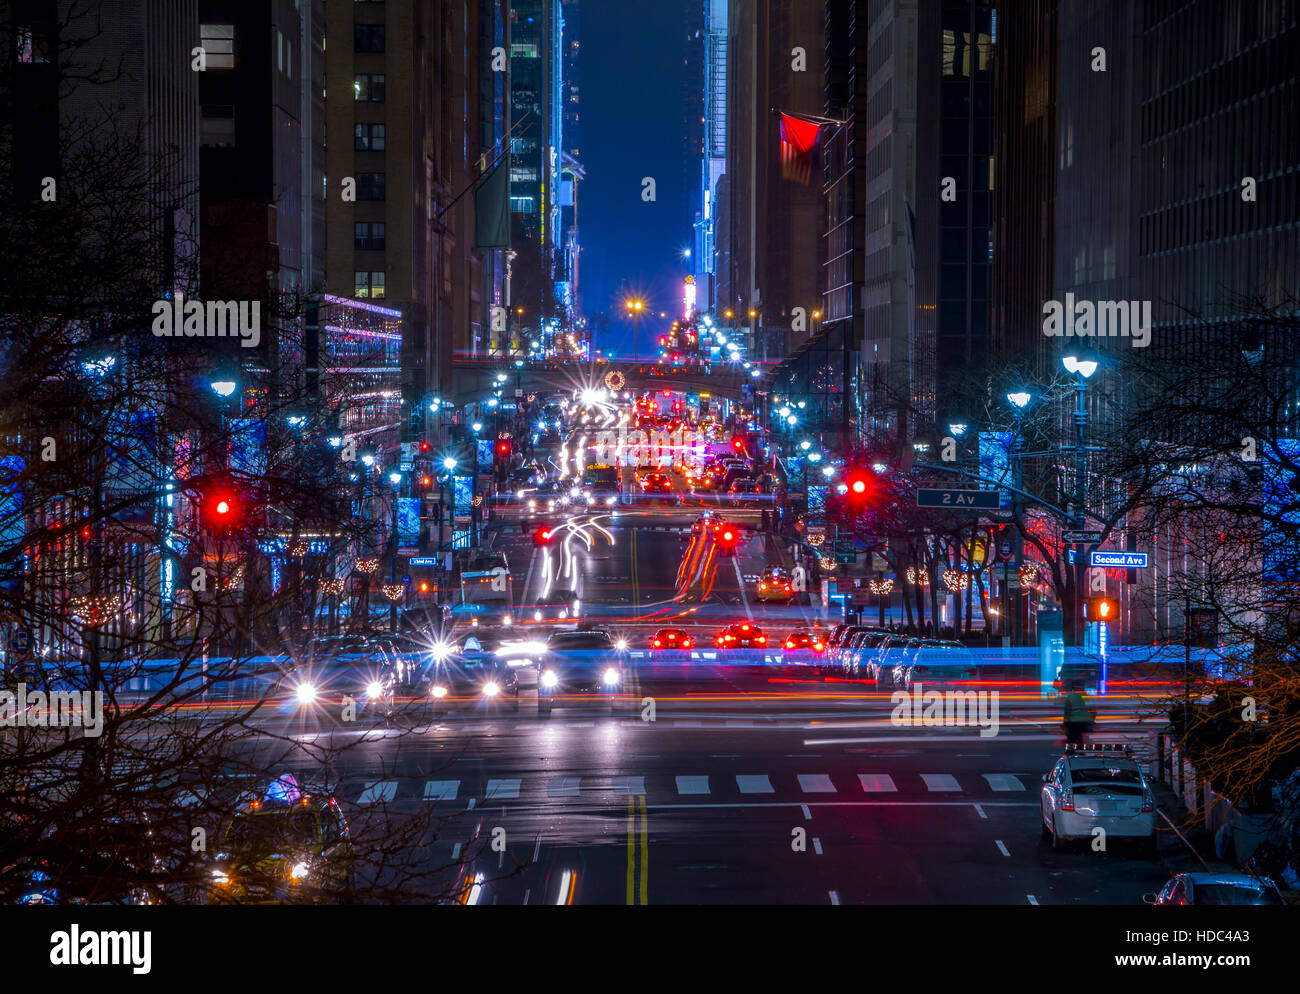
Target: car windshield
(583, 640)
(1242, 893)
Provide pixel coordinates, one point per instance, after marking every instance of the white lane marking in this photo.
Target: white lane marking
(980, 811)
(500, 790)
(629, 785)
(526, 893)
(537, 851)
(692, 785)
(688, 724)
(740, 585)
(806, 813)
(926, 739)
(378, 790)
(940, 781)
(441, 790)
(754, 784)
(874, 783)
(817, 845)
(1001, 848)
(835, 897)
(1003, 781)
(816, 783)
(1032, 900)
(455, 851)
(563, 787)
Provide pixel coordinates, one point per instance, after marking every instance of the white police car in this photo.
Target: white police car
(1098, 786)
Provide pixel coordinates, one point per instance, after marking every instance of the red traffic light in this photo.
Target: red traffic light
(222, 507)
(737, 444)
(424, 446)
(728, 536)
(858, 486)
(426, 481)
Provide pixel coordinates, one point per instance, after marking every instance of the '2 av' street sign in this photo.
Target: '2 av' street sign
(1130, 560)
(958, 498)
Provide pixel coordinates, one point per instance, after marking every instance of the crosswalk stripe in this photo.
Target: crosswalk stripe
(816, 783)
(378, 791)
(441, 790)
(501, 790)
(692, 785)
(754, 784)
(564, 787)
(629, 785)
(877, 783)
(1003, 781)
(940, 781)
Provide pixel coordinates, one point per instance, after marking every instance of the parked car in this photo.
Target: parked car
(935, 662)
(1219, 889)
(1097, 787)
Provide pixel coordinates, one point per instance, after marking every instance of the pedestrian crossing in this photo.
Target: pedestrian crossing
(742, 786)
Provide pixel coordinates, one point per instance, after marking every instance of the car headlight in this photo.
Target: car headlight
(439, 691)
(305, 693)
(564, 613)
(611, 677)
(440, 651)
(532, 505)
(374, 689)
(299, 871)
(621, 645)
(220, 877)
(550, 678)
(491, 689)
(537, 615)
(507, 621)
(610, 501)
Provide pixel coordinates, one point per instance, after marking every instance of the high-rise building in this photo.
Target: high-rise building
(773, 240)
(568, 256)
(262, 159)
(404, 75)
(713, 53)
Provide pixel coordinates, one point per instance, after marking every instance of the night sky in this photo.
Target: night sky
(632, 120)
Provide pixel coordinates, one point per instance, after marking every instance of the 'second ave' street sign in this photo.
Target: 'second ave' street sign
(1128, 560)
(958, 498)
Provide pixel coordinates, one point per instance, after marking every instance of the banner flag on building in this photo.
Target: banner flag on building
(492, 209)
(798, 143)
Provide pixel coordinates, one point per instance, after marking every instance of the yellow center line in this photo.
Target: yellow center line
(645, 852)
(631, 850)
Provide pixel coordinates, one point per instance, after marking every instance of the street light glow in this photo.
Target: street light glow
(1084, 367)
(1019, 399)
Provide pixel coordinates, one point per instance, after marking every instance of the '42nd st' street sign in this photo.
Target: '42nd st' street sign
(958, 498)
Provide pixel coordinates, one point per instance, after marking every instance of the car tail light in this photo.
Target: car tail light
(762, 640)
(787, 588)
(762, 586)
(1148, 801)
(686, 643)
(817, 646)
(744, 628)
(658, 644)
(789, 644)
(1067, 799)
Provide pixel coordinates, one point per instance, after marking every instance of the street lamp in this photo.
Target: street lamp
(1019, 399)
(449, 463)
(958, 429)
(1082, 368)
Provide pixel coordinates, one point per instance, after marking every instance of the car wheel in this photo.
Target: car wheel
(1058, 843)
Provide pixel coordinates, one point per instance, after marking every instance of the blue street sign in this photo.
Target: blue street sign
(1128, 560)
